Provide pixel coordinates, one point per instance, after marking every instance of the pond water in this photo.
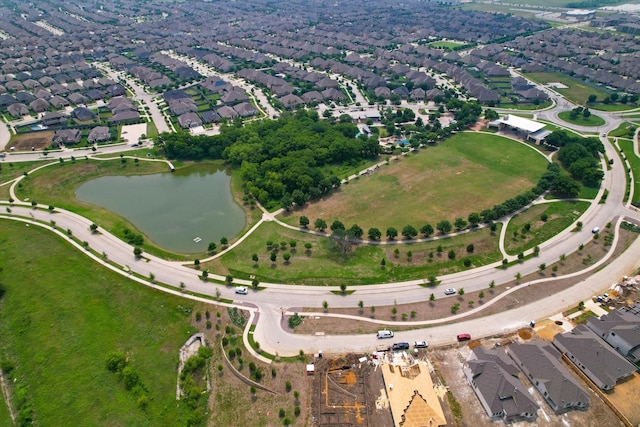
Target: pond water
(182, 211)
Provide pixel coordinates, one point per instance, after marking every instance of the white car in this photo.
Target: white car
(242, 290)
(420, 344)
(595, 230)
(450, 291)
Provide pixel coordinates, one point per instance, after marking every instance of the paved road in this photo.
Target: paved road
(277, 298)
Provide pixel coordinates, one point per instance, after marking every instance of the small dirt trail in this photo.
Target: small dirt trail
(6, 393)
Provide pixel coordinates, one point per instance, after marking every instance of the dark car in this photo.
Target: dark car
(464, 337)
(400, 346)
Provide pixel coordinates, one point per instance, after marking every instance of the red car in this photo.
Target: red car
(464, 337)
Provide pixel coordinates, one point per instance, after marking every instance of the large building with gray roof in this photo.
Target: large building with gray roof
(494, 379)
(600, 362)
(621, 330)
(540, 362)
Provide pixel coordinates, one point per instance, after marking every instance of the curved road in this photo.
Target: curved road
(272, 302)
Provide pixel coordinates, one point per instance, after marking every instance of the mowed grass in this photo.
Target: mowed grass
(62, 314)
(324, 264)
(576, 91)
(466, 173)
(627, 147)
(592, 120)
(560, 215)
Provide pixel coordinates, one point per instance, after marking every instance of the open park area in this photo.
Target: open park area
(466, 173)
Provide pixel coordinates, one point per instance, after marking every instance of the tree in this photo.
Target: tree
(432, 298)
(461, 291)
(224, 241)
(592, 98)
(460, 223)
(383, 263)
(409, 232)
(137, 252)
(304, 221)
(392, 233)
(374, 233)
(356, 231)
(212, 247)
(286, 256)
(444, 226)
(426, 230)
(451, 254)
(255, 283)
(273, 257)
(337, 225)
(325, 305)
(343, 288)
(320, 224)
(254, 258)
(361, 305)
(93, 227)
(518, 276)
(481, 295)
(542, 267)
(228, 280)
(470, 248)
(474, 219)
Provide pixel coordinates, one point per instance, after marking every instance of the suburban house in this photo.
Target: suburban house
(601, 363)
(621, 330)
(66, 137)
(98, 134)
(494, 379)
(540, 362)
(189, 120)
(54, 118)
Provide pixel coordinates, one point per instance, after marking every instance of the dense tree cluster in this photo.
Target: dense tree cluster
(286, 160)
(580, 156)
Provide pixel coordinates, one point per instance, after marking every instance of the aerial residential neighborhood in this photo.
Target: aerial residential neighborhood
(304, 213)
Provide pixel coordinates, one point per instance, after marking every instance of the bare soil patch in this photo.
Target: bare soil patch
(439, 309)
(346, 392)
(37, 140)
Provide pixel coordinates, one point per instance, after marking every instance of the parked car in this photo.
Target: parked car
(420, 344)
(595, 230)
(242, 290)
(450, 291)
(400, 346)
(385, 334)
(464, 337)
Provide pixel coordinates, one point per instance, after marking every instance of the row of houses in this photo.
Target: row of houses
(604, 350)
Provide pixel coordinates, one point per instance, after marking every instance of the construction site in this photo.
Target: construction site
(381, 389)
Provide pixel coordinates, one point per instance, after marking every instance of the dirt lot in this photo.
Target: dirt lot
(624, 397)
(449, 362)
(440, 309)
(345, 392)
(37, 140)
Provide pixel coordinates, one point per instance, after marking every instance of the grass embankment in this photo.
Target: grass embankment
(576, 91)
(627, 147)
(466, 173)
(62, 314)
(593, 120)
(559, 215)
(325, 264)
(625, 130)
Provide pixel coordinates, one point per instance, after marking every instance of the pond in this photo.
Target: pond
(182, 211)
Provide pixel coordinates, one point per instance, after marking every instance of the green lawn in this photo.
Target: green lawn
(10, 170)
(560, 216)
(445, 44)
(634, 161)
(324, 264)
(466, 173)
(625, 130)
(5, 417)
(592, 120)
(577, 90)
(62, 314)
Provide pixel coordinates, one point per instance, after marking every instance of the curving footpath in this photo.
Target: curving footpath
(267, 307)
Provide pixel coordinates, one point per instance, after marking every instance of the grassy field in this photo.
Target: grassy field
(10, 170)
(593, 120)
(577, 91)
(62, 314)
(446, 44)
(324, 264)
(560, 216)
(466, 173)
(625, 130)
(634, 161)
